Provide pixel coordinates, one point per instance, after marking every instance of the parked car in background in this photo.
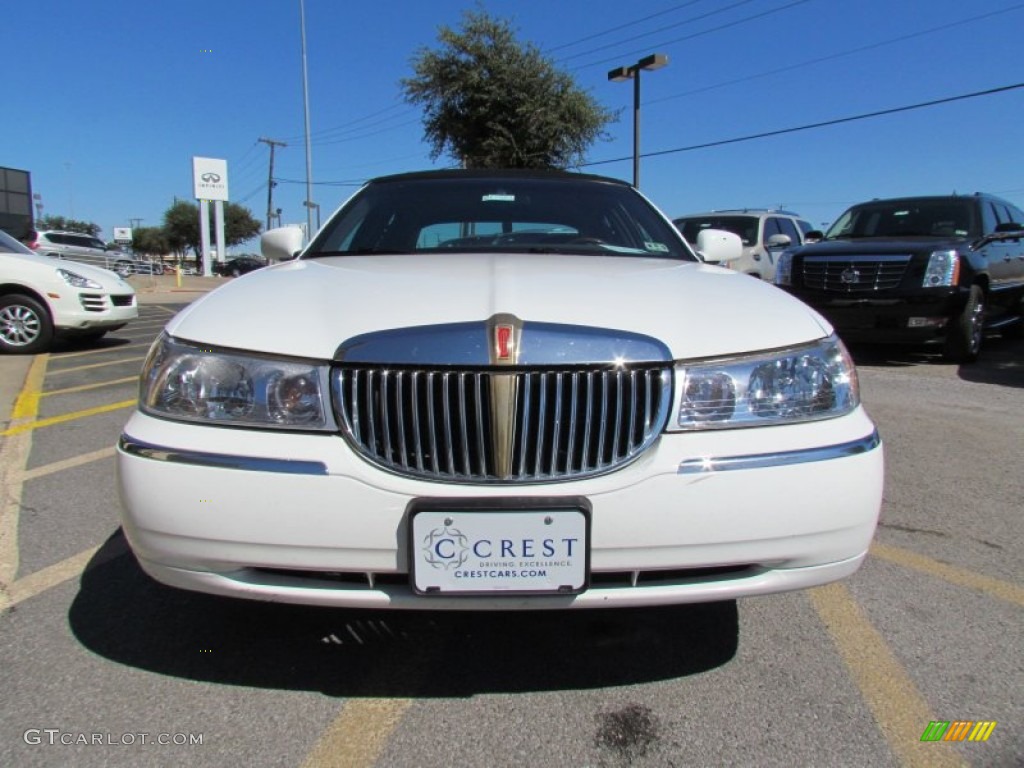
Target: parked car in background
(87, 249)
(238, 266)
(765, 234)
(917, 269)
(498, 390)
(42, 297)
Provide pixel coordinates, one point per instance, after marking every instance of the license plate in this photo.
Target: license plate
(509, 551)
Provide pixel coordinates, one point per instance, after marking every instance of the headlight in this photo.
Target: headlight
(77, 281)
(193, 383)
(943, 269)
(806, 383)
(784, 269)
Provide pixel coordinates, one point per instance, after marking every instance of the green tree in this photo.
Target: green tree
(181, 226)
(68, 225)
(491, 102)
(151, 241)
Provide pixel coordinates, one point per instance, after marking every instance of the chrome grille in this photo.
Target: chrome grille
(440, 423)
(854, 274)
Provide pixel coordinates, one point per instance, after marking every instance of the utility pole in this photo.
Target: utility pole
(270, 180)
(135, 223)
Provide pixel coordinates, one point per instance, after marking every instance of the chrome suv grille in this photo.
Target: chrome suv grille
(854, 274)
(502, 426)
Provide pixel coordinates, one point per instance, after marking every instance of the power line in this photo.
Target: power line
(642, 35)
(719, 28)
(841, 54)
(621, 27)
(823, 124)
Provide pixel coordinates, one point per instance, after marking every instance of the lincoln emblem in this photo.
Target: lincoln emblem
(504, 331)
(503, 342)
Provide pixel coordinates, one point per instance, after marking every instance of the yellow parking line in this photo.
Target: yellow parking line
(14, 453)
(358, 735)
(899, 709)
(86, 387)
(60, 466)
(94, 365)
(50, 421)
(47, 578)
(27, 404)
(1003, 590)
(100, 351)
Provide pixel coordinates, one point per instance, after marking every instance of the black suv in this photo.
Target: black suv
(916, 269)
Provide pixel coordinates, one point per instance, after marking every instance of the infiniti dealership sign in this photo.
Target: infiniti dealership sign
(210, 178)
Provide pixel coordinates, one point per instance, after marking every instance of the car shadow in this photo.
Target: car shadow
(123, 615)
(72, 344)
(1001, 361)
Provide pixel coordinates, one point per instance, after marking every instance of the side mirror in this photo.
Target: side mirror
(716, 246)
(779, 241)
(1009, 226)
(814, 236)
(282, 243)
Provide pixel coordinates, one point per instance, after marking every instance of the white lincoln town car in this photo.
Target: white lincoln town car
(498, 390)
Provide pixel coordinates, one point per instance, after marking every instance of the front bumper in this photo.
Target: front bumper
(86, 311)
(894, 318)
(699, 517)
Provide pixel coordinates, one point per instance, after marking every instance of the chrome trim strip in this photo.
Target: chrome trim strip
(134, 447)
(470, 345)
(848, 258)
(781, 459)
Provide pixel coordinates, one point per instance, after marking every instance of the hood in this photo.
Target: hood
(45, 266)
(307, 308)
(884, 246)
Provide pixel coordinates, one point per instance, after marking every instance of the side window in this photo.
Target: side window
(1016, 214)
(771, 227)
(989, 217)
(805, 226)
(789, 228)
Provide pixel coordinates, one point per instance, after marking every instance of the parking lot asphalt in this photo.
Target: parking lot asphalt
(850, 674)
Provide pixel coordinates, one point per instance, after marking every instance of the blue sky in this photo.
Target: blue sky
(118, 97)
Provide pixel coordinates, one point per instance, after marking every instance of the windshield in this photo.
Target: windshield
(499, 212)
(925, 217)
(743, 226)
(9, 245)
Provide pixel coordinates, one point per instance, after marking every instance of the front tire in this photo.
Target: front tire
(25, 325)
(963, 338)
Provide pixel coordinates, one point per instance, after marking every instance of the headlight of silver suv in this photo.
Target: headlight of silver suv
(189, 382)
(806, 383)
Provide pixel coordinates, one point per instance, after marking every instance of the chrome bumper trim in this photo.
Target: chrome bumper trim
(143, 450)
(781, 459)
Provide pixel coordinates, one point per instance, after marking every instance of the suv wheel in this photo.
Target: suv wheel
(963, 339)
(25, 325)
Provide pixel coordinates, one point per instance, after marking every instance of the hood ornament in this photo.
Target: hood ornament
(504, 334)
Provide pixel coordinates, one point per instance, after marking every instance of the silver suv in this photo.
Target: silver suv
(88, 249)
(765, 234)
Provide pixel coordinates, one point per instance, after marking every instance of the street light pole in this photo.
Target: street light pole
(632, 72)
(305, 105)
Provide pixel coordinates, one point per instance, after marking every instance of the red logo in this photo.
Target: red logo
(503, 342)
